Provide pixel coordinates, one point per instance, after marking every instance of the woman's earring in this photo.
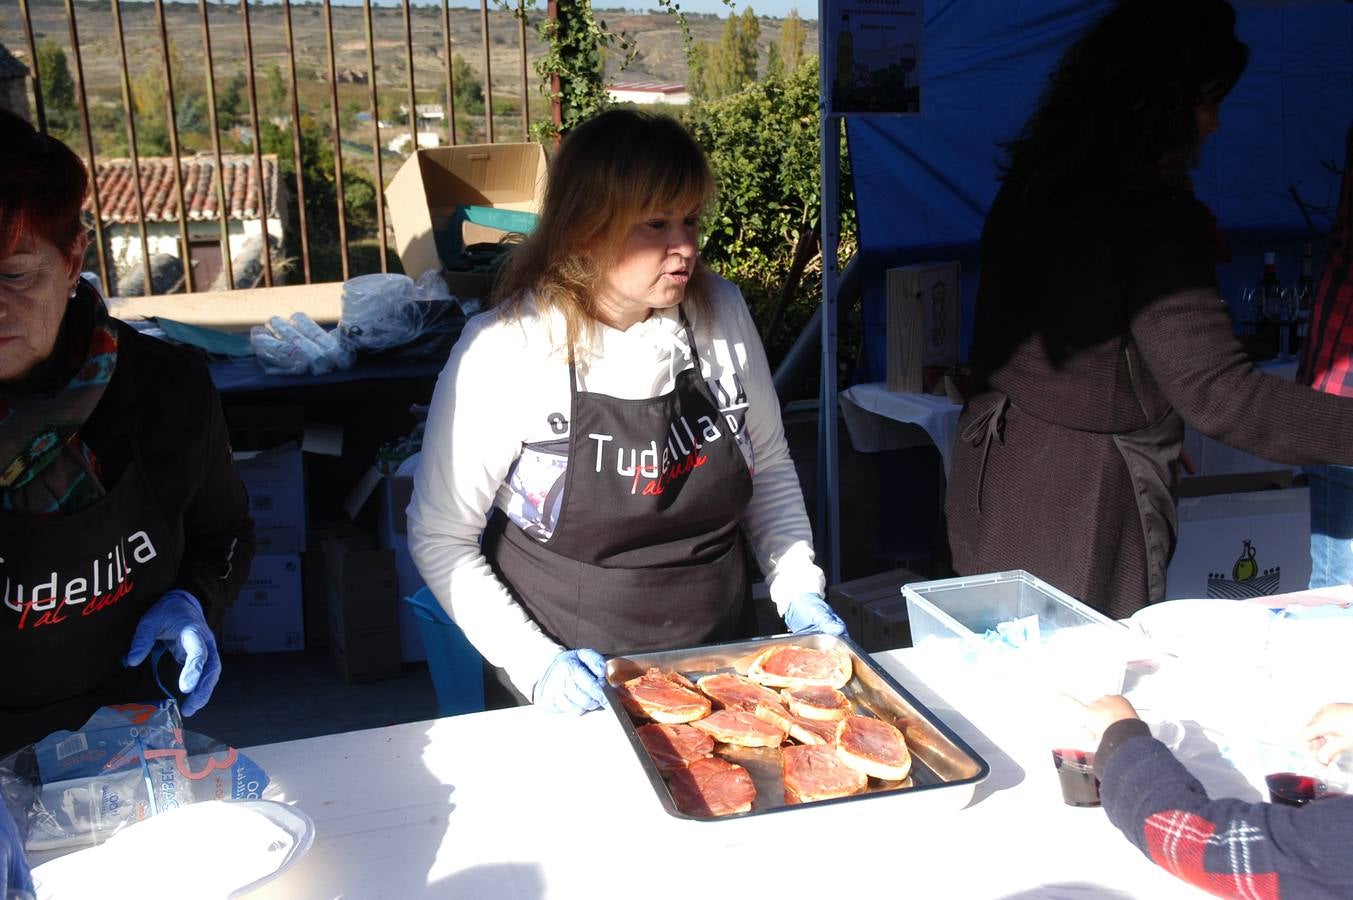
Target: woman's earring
(74, 289)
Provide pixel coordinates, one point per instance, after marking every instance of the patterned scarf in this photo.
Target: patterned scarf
(45, 469)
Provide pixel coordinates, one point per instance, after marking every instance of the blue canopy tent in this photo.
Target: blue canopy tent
(923, 183)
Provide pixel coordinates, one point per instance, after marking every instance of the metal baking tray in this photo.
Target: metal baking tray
(940, 758)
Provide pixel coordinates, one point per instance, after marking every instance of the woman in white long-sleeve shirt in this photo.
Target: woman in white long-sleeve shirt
(611, 431)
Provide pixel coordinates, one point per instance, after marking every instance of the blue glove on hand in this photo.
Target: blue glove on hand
(176, 620)
(15, 879)
(572, 683)
(810, 612)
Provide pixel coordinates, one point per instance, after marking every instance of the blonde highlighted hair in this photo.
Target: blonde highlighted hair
(610, 172)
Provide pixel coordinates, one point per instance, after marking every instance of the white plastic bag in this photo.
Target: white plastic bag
(379, 311)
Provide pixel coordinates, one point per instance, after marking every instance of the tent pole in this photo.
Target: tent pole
(828, 540)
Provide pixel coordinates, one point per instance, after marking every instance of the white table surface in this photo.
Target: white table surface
(521, 804)
(880, 419)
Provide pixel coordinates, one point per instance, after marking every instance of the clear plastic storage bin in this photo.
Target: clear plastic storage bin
(1058, 642)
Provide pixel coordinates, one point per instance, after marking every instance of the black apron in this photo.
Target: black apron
(646, 551)
(72, 590)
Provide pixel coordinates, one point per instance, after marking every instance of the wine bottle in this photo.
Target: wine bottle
(1305, 297)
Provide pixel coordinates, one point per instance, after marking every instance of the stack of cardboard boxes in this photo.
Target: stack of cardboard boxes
(268, 615)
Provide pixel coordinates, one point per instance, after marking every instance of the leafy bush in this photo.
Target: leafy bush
(763, 144)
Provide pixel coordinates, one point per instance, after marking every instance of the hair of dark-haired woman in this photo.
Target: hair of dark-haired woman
(1120, 113)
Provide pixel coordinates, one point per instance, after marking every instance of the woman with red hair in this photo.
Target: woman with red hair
(123, 523)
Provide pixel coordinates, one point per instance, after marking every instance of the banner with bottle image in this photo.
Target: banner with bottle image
(874, 55)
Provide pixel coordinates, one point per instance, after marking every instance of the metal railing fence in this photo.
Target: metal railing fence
(197, 122)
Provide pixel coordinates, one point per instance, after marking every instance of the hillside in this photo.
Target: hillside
(661, 51)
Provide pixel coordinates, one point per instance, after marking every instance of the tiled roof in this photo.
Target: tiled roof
(117, 196)
(655, 87)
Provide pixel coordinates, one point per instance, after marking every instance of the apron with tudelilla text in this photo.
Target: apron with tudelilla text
(646, 551)
(74, 588)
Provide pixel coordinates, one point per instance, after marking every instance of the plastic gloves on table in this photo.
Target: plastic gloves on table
(572, 683)
(176, 620)
(810, 612)
(15, 879)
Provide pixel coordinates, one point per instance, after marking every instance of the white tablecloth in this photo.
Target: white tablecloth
(880, 419)
(520, 804)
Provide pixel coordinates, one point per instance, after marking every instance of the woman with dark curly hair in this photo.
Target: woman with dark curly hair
(1100, 329)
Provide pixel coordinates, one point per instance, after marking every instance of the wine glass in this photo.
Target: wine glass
(1250, 309)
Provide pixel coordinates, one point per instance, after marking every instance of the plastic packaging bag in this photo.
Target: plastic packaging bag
(379, 311)
(127, 763)
(341, 357)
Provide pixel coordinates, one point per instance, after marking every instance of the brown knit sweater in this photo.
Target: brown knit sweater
(1093, 328)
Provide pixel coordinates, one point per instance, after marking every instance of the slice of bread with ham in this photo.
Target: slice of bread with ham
(822, 703)
(664, 697)
(874, 747)
(817, 773)
(712, 787)
(795, 666)
(736, 692)
(740, 727)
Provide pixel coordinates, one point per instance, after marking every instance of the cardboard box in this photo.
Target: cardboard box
(315, 576)
(392, 533)
(267, 616)
(363, 618)
(275, 480)
(436, 184)
(1249, 544)
(924, 322)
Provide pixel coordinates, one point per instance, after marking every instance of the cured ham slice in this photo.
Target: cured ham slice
(812, 731)
(819, 702)
(712, 787)
(673, 746)
(737, 726)
(817, 773)
(793, 666)
(737, 692)
(663, 697)
(874, 747)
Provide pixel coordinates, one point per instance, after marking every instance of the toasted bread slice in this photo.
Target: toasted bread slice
(817, 773)
(822, 703)
(874, 747)
(794, 666)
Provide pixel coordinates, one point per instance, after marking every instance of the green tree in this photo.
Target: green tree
(467, 85)
(763, 144)
(774, 67)
(275, 91)
(231, 106)
(731, 63)
(697, 71)
(58, 89)
(321, 208)
(793, 34)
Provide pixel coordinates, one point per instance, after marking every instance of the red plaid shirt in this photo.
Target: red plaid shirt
(1327, 358)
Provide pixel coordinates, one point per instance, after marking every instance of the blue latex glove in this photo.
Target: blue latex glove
(572, 683)
(15, 879)
(810, 612)
(176, 620)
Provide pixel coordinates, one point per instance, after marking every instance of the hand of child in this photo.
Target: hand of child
(1108, 709)
(1330, 732)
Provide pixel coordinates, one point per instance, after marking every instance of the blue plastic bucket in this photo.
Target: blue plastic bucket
(455, 665)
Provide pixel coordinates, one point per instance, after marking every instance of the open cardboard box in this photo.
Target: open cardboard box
(429, 189)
